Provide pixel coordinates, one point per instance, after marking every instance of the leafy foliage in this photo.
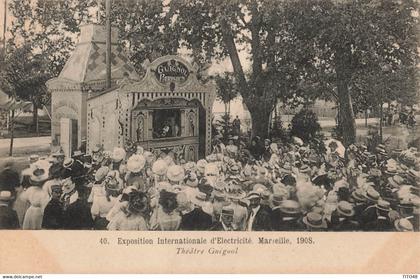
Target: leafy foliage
(305, 125)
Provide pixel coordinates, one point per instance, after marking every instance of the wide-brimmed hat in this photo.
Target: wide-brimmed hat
(38, 175)
(277, 198)
(201, 164)
(234, 169)
(211, 169)
(112, 184)
(297, 141)
(305, 169)
(372, 195)
(175, 173)
(33, 158)
(290, 207)
(160, 167)
(235, 193)
(383, 205)
(287, 168)
(68, 162)
(118, 154)
(68, 185)
(190, 166)
(101, 173)
(315, 220)
(191, 180)
(5, 195)
(253, 195)
(403, 225)
(391, 170)
(396, 181)
(199, 198)
(136, 163)
(259, 188)
(345, 208)
(358, 195)
(211, 158)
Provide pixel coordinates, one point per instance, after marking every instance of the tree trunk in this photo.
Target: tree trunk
(260, 120)
(347, 122)
(366, 118)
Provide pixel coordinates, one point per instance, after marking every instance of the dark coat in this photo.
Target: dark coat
(53, 215)
(9, 180)
(196, 220)
(281, 221)
(373, 220)
(262, 220)
(343, 224)
(77, 217)
(8, 218)
(217, 226)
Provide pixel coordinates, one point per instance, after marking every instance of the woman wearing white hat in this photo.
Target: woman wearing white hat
(135, 176)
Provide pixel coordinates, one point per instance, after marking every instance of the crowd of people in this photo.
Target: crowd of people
(267, 187)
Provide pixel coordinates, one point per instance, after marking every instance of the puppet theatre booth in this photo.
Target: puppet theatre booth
(168, 110)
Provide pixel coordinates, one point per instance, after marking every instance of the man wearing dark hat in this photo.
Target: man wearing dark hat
(53, 213)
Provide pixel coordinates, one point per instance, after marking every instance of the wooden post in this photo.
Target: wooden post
(108, 42)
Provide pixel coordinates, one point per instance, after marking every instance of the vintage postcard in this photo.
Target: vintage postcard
(189, 136)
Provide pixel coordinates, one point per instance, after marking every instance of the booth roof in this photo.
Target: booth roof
(88, 61)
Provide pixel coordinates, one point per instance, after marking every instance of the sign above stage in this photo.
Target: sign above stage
(172, 71)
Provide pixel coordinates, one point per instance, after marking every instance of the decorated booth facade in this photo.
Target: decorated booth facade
(169, 109)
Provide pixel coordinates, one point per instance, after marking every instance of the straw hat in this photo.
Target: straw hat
(314, 220)
(199, 199)
(5, 196)
(190, 166)
(118, 154)
(68, 163)
(211, 169)
(201, 164)
(136, 163)
(396, 181)
(403, 225)
(345, 208)
(175, 173)
(160, 167)
(372, 195)
(235, 193)
(290, 207)
(383, 205)
(358, 195)
(101, 173)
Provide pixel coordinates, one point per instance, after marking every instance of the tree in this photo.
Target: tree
(220, 29)
(144, 29)
(226, 89)
(353, 41)
(45, 31)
